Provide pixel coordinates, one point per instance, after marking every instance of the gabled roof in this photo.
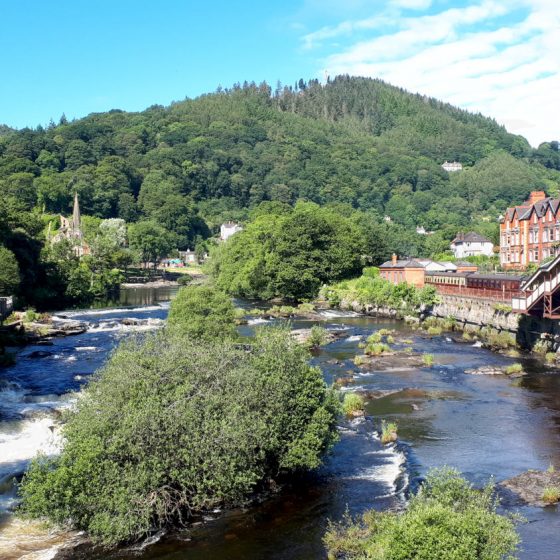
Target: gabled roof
(407, 263)
(470, 237)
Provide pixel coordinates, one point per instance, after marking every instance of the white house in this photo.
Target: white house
(452, 166)
(471, 245)
(188, 256)
(227, 229)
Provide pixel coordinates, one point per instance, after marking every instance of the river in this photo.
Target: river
(485, 426)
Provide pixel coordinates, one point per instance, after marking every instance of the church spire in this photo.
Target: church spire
(76, 221)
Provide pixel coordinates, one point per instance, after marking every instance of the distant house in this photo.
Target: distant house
(471, 245)
(71, 229)
(452, 166)
(228, 229)
(188, 256)
(413, 271)
(397, 271)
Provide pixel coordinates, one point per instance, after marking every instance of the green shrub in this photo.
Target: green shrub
(502, 308)
(30, 316)
(501, 340)
(551, 495)
(428, 360)
(447, 520)
(317, 337)
(306, 308)
(377, 349)
(550, 357)
(390, 339)
(374, 290)
(374, 338)
(385, 332)
(434, 331)
(174, 425)
(352, 403)
(360, 360)
(184, 279)
(466, 336)
(513, 368)
(388, 432)
(202, 312)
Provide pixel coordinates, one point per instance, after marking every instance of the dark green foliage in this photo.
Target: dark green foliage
(9, 272)
(174, 425)
(202, 312)
(290, 255)
(448, 519)
(150, 241)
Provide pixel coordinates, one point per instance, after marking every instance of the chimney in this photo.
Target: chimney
(536, 196)
(394, 259)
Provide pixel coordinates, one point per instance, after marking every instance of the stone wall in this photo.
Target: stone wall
(477, 312)
(532, 333)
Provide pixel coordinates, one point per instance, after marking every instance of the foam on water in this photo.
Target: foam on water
(114, 326)
(354, 338)
(28, 437)
(332, 313)
(108, 311)
(30, 540)
(258, 321)
(387, 472)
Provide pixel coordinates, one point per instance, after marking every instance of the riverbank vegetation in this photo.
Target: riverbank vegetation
(448, 518)
(181, 422)
(372, 290)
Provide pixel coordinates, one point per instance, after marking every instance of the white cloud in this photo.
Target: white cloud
(462, 55)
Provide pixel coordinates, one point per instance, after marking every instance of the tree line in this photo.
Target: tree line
(196, 163)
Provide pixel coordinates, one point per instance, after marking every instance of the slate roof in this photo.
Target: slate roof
(402, 263)
(541, 207)
(470, 237)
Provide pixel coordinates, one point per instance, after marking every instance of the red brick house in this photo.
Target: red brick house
(530, 233)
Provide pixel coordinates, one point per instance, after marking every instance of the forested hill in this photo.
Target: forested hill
(354, 140)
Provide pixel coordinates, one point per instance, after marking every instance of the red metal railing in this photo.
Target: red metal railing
(482, 293)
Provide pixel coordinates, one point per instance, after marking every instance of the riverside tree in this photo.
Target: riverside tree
(447, 519)
(174, 425)
(290, 255)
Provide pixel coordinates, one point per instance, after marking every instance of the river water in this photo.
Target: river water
(484, 426)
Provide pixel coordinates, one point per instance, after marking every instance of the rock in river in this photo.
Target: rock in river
(531, 485)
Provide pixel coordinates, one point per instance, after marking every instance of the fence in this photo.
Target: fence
(482, 293)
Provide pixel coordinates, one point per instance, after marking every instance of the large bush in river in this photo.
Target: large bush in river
(174, 425)
(202, 312)
(446, 520)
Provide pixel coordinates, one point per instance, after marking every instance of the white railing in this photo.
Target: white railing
(518, 304)
(546, 286)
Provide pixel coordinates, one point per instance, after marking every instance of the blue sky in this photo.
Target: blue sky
(77, 57)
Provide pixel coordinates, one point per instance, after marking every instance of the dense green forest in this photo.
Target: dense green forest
(356, 144)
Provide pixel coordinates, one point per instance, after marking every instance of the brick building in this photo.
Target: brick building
(414, 271)
(530, 233)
